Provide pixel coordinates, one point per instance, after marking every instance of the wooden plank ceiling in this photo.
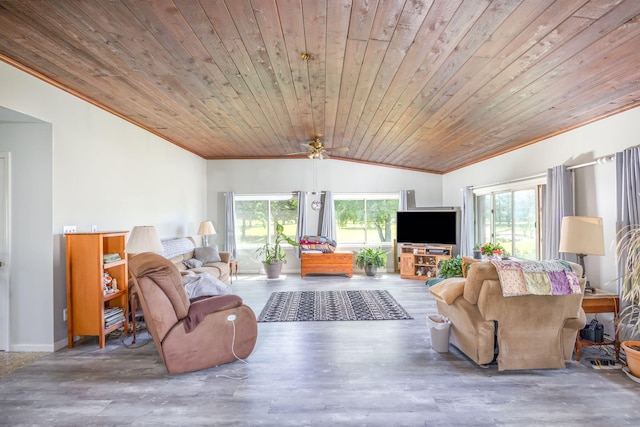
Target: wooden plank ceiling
(430, 85)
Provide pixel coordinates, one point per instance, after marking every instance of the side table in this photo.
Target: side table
(600, 302)
(233, 268)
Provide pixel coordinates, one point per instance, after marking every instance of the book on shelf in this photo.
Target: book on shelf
(113, 312)
(107, 258)
(114, 321)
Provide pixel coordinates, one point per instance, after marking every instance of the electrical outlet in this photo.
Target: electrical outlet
(94, 228)
(69, 229)
(64, 314)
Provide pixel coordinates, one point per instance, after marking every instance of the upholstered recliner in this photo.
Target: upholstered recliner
(190, 335)
(532, 331)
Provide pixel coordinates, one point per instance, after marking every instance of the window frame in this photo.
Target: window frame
(365, 197)
(268, 197)
(537, 184)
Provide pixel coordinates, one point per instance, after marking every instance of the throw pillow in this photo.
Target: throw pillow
(208, 254)
(192, 263)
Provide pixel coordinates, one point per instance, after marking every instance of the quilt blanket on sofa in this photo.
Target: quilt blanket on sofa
(552, 277)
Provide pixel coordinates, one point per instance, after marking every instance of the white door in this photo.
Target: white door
(4, 250)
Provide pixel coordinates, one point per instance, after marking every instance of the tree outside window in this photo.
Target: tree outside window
(256, 216)
(365, 218)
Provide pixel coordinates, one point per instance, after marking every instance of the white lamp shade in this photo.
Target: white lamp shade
(143, 238)
(582, 235)
(206, 228)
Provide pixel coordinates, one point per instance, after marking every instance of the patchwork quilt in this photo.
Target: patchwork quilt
(549, 277)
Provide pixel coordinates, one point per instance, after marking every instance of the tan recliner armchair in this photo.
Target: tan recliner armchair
(190, 336)
(532, 331)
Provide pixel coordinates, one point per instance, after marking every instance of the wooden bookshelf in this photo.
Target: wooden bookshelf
(86, 297)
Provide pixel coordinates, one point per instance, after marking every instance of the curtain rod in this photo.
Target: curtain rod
(599, 161)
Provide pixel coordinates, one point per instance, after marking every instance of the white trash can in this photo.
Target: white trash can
(439, 328)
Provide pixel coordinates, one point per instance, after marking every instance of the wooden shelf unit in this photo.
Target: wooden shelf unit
(86, 300)
(420, 261)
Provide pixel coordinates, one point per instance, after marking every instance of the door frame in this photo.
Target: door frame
(5, 254)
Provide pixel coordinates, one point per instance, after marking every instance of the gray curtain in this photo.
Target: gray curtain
(627, 194)
(403, 201)
(302, 218)
(230, 223)
(467, 231)
(328, 228)
(558, 203)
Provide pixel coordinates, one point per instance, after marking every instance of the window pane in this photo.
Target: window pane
(286, 213)
(524, 218)
(251, 221)
(503, 220)
(381, 220)
(484, 219)
(350, 221)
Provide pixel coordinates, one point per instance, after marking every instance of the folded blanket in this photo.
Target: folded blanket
(204, 284)
(550, 277)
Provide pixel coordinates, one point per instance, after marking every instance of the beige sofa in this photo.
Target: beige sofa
(531, 331)
(182, 250)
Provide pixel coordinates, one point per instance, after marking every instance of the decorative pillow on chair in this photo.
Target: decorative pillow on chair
(208, 254)
(192, 263)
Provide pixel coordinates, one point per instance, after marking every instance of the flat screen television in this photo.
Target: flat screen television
(428, 226)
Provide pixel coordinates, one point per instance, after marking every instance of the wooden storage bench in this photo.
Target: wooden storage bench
(333, 263)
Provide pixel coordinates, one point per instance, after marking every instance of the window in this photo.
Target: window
(256, 216)
(366, 218)
(511, 217)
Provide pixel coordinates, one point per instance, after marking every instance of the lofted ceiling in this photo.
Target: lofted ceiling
(430, 85)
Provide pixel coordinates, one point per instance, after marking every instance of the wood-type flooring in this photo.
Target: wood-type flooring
(354, 373)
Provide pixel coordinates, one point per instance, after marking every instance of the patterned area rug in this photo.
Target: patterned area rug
(300, 306)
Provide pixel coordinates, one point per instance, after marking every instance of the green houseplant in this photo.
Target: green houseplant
(370, 259)
(451, 267)
(273, 254)
(628, 253)
(490, 250)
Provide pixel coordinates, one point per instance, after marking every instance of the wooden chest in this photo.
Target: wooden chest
(334, 263)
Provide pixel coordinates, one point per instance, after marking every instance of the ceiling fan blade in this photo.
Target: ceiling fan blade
(338, 149)
(299, 153)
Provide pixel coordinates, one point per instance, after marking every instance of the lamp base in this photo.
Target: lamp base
(587, 288)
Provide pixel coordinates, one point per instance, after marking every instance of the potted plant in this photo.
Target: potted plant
(477, 251)
(628, 252)
(492, 251)
(370, 259)
(451, 267)
(273, 255)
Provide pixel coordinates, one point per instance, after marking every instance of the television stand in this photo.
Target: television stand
(420, 261)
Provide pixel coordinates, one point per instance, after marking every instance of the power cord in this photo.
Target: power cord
(232, 318)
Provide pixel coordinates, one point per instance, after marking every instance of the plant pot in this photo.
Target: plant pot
(273, 270)
(633, 357)
(370, 270)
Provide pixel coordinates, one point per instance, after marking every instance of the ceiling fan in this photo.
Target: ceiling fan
(317, 150)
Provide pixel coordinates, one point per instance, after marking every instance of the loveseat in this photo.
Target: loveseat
(521, 332)
(188, 258)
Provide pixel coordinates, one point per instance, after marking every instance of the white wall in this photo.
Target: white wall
(286, 176)
(30, 264)
(594, 185)
(105, 171)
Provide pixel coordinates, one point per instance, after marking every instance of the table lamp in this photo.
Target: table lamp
(205, 230)
(143, 238)
(582, 235)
